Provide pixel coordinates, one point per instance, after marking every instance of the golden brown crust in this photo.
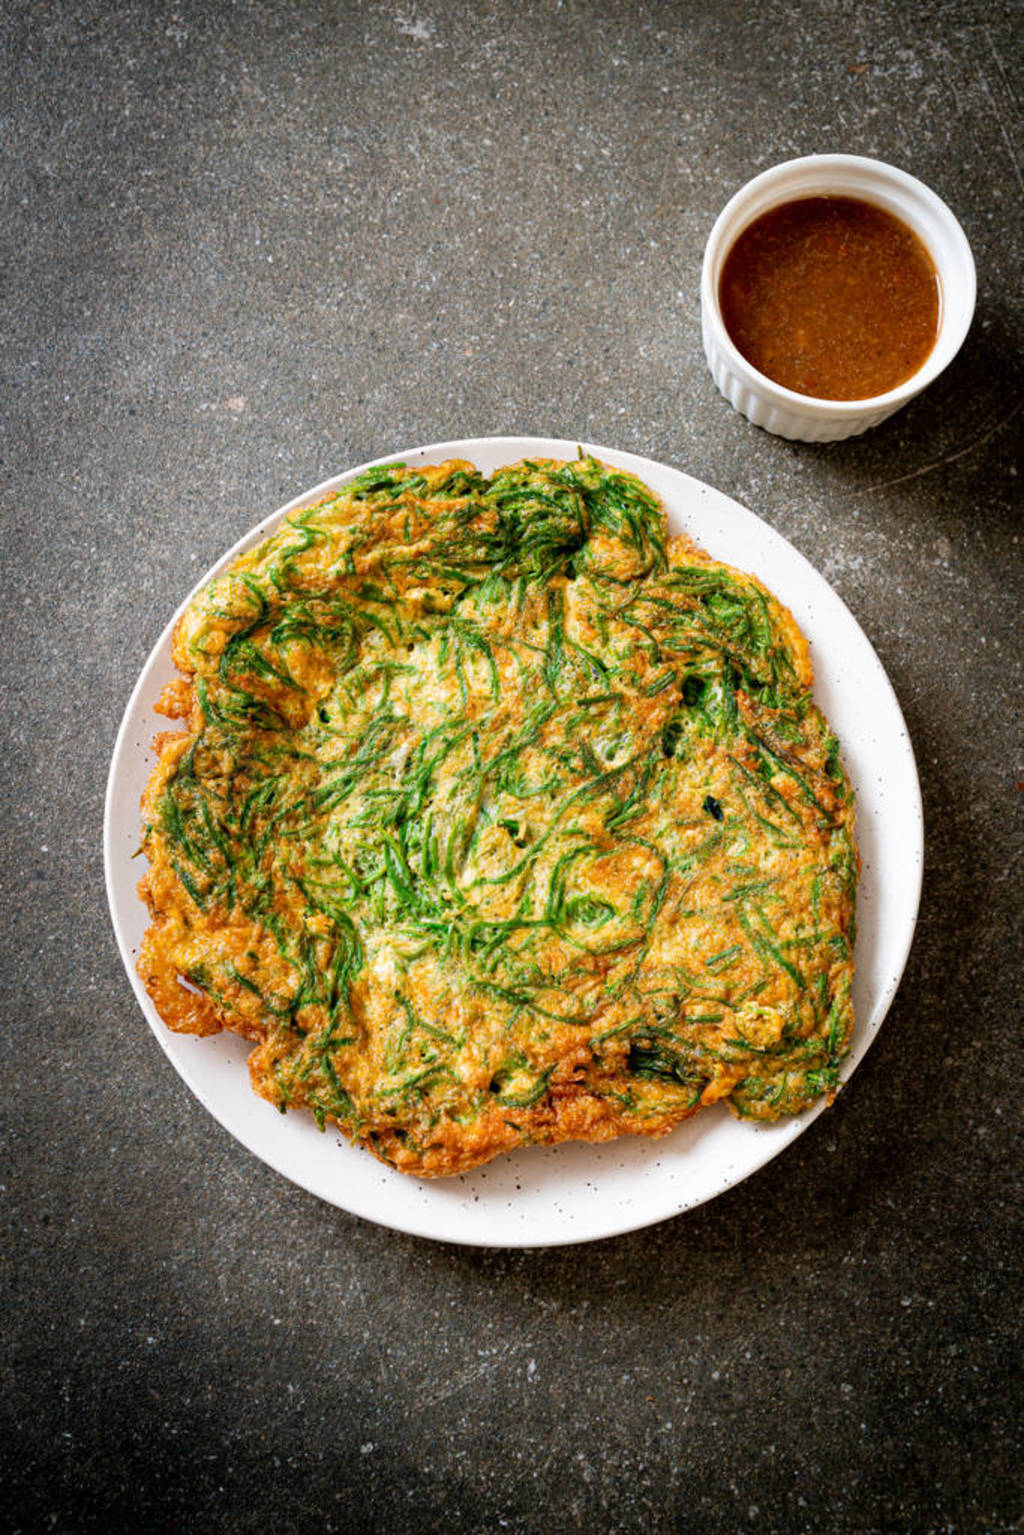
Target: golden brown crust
(456, 1149)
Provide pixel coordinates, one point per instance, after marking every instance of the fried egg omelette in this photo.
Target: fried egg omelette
(500, 818)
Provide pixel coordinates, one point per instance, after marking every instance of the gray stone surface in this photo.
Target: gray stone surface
(244, 246)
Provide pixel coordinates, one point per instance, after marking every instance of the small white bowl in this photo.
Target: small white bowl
(784, 411)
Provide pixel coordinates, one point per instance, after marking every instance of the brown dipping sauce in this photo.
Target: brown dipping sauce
(831, 297)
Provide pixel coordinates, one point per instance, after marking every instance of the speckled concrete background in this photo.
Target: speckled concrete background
(245, 246)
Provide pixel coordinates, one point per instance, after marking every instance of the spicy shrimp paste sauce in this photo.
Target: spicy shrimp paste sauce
(832, 297)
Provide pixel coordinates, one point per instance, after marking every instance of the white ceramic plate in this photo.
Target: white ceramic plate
(546, 1196)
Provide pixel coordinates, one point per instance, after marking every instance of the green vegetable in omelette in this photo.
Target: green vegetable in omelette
(501, 818)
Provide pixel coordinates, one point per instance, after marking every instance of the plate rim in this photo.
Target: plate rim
(441, 1228)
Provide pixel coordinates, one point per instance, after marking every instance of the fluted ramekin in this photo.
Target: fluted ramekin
(784, 411)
